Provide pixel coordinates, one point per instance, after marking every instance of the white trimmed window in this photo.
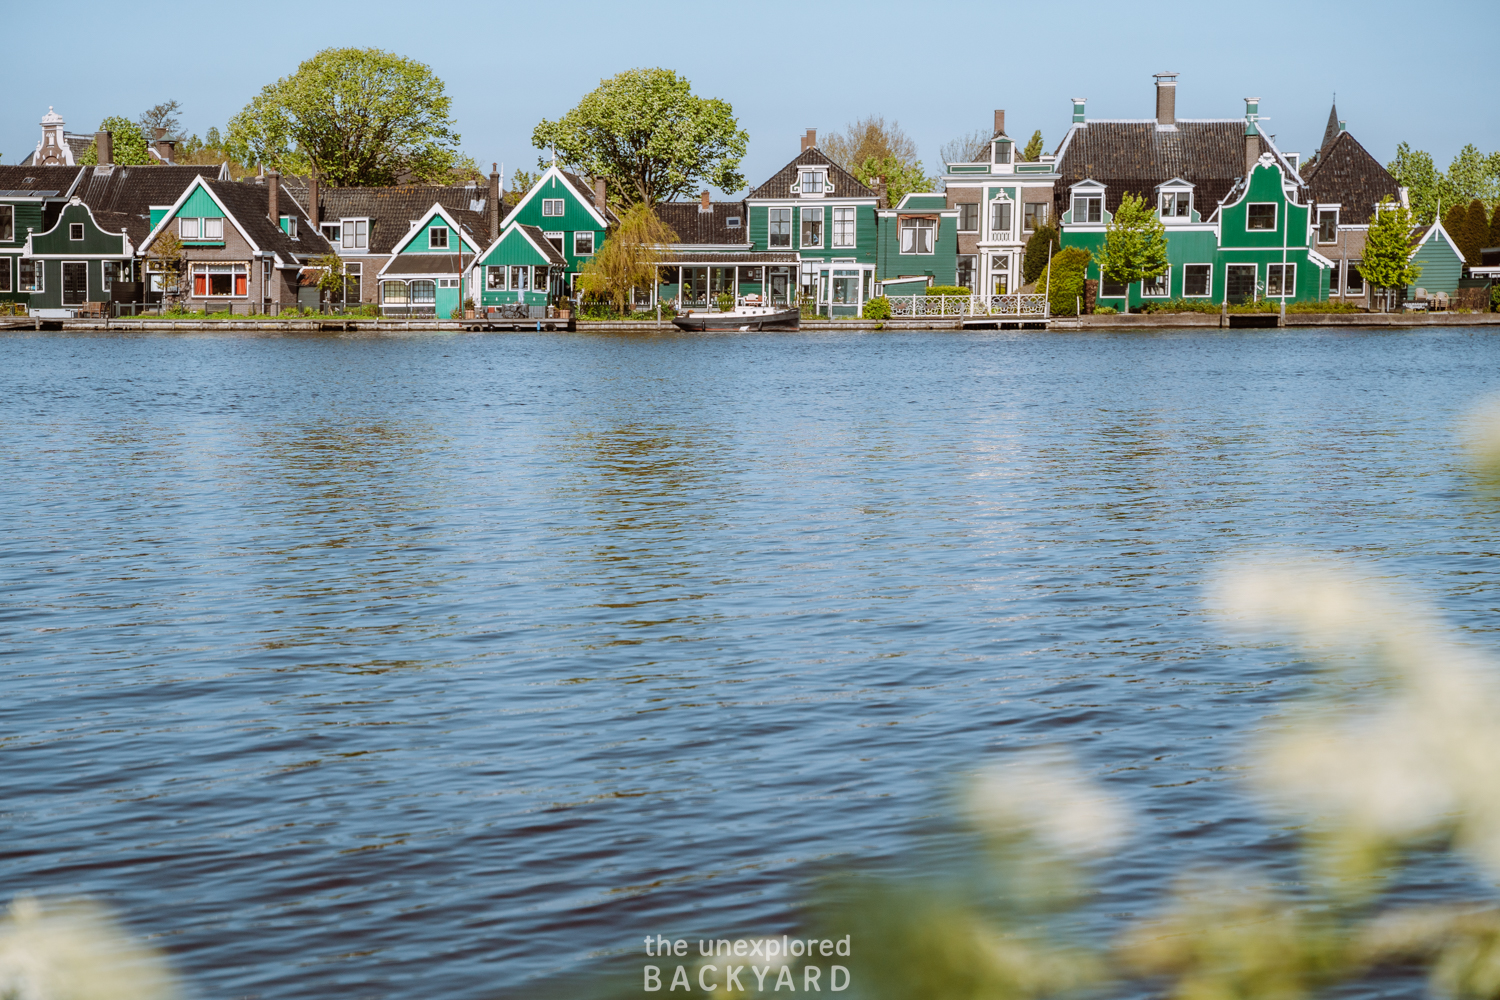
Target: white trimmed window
(75, 230)
(33, 278)
(213, 229)
(333, 232)
(1088, 207)
(1000, 275)
(917, 234)
(843, 227)
(447, 282)
(1354, 281)
(520, 278)
(556, 239)
(812, 227)
(188, 228)
(1260, 215)
(353, 282)
(1157, 287)
(394, 293)
(1002, 151)
(355, 234)
(583, 244)
(1033, 214)
(288, 226)
(437, 238)
(220, 280)
(5, 269)
(494, 278)
(812, 182)
(1328, 225)
(1197, 280)
(732, 222)
(1176, 204)
(7, 223)
(1000, 220)
(552, 207)
(1281, 280)
(779, 227)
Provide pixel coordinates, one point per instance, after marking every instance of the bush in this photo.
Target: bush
(878, 308)
(1495, 298)
(1106, 311)
(1034, 262)
(1331, 306)
(1180, 306)
(1062, 282)
(946, 290)
(724, 301)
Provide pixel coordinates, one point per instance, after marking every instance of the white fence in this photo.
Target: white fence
(1006, 306)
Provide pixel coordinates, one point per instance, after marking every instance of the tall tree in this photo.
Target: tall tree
(1475, 230)
(1414, 170)
(650, 137)
(1454, 220)
(362, 117)
(869, 138)
(127, 140)
(899, 178)
(1135, 244)
(1034, 148)
(1493, 240)
(1387, 263)
(966, 148)
(1469, 176)
(162, 116)
(1034, 261)
(629, 258)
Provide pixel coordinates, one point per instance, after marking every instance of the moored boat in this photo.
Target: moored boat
(744, 316)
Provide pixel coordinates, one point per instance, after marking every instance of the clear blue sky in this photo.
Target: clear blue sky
(1426, 73)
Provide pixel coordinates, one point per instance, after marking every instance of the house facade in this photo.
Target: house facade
(917, 244)
(431, 268)
(713, 255)
(1441, 261)
(73, 262)
(31, 201)
(998, 203)
(572, 216)
(522, 267)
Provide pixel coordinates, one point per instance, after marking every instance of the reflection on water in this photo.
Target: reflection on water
(346, 662)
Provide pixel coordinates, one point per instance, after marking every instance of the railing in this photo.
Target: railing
(969, 305)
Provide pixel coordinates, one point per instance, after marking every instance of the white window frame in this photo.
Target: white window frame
(553, 207)
(182, 229)
(105, 281)
(1353, 264)
(447, 282)
(561, 237)
(1008, 234)
(789, 235)
(1285, 293)
(593, 243)
(217, 224)
(75, 227)
(289, 226)
(1275, 217)
(999, 146)
(1176, 193)
(1196, 295)
(491, 273)
(431, 231)
(802, 223)
(916, 227)
(208, 267)
(819, 181)
(1000, 268)
(1334, 211)
(7, 223)
(1083, 196)
(1254, 279)
(354, 270)
(731, 222)
(523, 272)
(1166, 285)
(853, 222)
(356, 234)
(39, 273)
(334, 238)
(389, 283)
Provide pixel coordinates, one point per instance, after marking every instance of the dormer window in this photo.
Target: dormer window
(812, 182)
(355, 234)
(1001, 152)
(437, 238)
(1088, 206)
(1176, 204)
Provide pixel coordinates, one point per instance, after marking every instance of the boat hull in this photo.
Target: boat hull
(783, 319)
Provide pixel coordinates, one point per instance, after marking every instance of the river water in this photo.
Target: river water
(447, 665)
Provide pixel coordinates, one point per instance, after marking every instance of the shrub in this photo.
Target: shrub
(1180, 306)
(1034, 262)
(1331, 306)
(946, 290)
(1062, 282)
(724, 301)
(1105, 311)
(878, 308)
(1495, 298)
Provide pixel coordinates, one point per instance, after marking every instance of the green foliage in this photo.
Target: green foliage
(1387, 262)
(165, 258)
(1034, 262)
(129, 143)
(1063, 281)
(362, 117)
(650, 137)
(331, 276)
(629, 258)
(900, 178)
(520, 182)
(1473, 233)
(946, 290)
(1104, 311)
(1033, 151)
(877, 308)
(1471, 175)
(1181, 306)
(1326, 306)
(1135, 244)
(724, 301)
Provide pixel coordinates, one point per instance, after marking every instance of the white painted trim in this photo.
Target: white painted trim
(423, 222)
(1205, 295)
(1166, 286)
(555, 172)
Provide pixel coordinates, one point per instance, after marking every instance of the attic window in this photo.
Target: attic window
(333, 232)
(437, 238)
(732, 222)
(75, 230)
(1176, 204)
(812, 182)
(1002, 151)
(289, 225)
(356, 233)
(552, 206)
(7, 223)
(1261, 216)
(1086, 207)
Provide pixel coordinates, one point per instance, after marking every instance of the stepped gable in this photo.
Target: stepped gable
(1136, 156)
(247, 202)
(693, 225)
(1348, 176)
(392, 210)
(121, 197)
(780, 183)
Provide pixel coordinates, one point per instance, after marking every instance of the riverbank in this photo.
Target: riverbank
(1116, 322)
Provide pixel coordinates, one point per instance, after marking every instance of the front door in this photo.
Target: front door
(1239, 284)
(447, 297)
(781, 286)
(75, 276)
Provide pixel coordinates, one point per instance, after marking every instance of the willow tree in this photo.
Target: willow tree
(629, 258)
(362, 117)
(650, 137)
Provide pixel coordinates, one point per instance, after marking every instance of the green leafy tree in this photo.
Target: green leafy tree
(650, 137)
(361, 117)
(630, 257)
(1135, 244)
(1033, 150)
(1414, 170)
(331, 279)
(212, 139)
(1387, 263)
(520, 182)
(1475, 230)
(900, 179)
(1034, 261)
(1469, 177)
(1063, 281)
(128, 140)
(165, 259)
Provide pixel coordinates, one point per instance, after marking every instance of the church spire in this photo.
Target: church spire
(1332, 131)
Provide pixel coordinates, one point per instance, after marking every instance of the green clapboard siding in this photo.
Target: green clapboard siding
(199, 205)
(1441, 267)
(58, 240)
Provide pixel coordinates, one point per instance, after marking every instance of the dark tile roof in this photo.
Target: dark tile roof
(79, 144)
(121, 197)
(693, 225)
(1347, 175)
(780, 184)
(392, 210)
(248, 202)
(586, 191)
(38, 179)
(425, 263)
(1135, 157)
(548, 250)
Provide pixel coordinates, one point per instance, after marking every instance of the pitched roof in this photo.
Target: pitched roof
(1136, 156)
(780, 183)
(693, 225)
(543, 244)
(79, 144)
(425, 263)
(248, 201)
(121, 197)
(37, 181)
(1331, 132)
(1347, 175)
(393, 210)
(586, 191)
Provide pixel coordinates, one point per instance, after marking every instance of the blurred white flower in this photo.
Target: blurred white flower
(75, 952)
(1048, 797)
(1481, 435)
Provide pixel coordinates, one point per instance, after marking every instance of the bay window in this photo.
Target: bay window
(779, 227)
(843, 227)
(917, 233)
(812, 227)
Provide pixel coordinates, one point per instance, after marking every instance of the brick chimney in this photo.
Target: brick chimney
(1252, 134)
(878, 186)
(494, 201)
(314, 216)
(704, 205)
(809, 140)
(999, 122)
(1166, 99)
(104, 144)
(599, 194)
(165, 147)
(273, 197)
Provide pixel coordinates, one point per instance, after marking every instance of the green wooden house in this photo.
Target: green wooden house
(522, 267)
(431, 269)
(573, 217)
(916, 244)
(72, 263)
(816, 209)
(31, 200)
(1441, 260)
